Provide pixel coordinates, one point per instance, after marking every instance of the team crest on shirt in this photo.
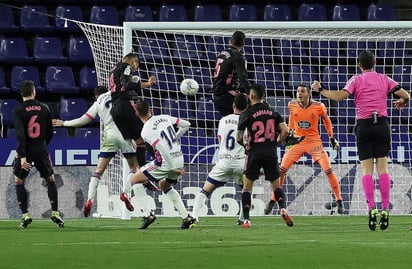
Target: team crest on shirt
(304, 124)
(127, 70)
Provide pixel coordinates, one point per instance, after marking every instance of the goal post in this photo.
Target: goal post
(279, 55)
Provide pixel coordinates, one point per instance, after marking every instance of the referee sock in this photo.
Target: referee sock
(369, 190)
(52, 193)
(246, 203)
(21, 193)
(384, 187)
(199, 203)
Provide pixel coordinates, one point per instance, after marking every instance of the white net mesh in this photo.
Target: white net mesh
(280, 58)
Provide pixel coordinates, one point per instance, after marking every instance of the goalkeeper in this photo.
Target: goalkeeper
(304, 114)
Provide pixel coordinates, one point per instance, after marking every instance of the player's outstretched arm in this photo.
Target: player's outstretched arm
(333, 95)
(404, 98)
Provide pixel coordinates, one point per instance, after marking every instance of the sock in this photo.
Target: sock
(93, 184)
(334, 183)
(142, 201)
(281, 180)
(384, 187)
(52, 193)
(369, 190)
(177, 202)
(141, 155)
(127, 187)
(280, 197)
(199, 202)
(246, 203)
(21, 193)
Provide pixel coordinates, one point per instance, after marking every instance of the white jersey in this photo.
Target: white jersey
(158, 131)
(229, 149)
(102, 107)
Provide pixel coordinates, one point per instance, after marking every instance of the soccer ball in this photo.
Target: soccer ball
(189, 87)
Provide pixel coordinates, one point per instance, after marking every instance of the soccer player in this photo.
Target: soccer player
(265, 128)
(370, 91)
(159, 132)
(231, 156)
(112, 142)
(125, 88)
(230, 75)
(34, 130)
(304, 114)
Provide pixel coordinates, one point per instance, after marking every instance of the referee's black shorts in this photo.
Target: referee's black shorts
(373, 139)
(123, 114)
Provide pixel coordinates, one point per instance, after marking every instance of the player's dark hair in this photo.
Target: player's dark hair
(238, 39)
(241, 101)
(100, 90)
(259, 90)
(142, 108)
(26, 88)
(367, 59)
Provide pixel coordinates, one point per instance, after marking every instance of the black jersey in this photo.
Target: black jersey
(261, 122)
(121, 85)
(230, 73)
(34, 129)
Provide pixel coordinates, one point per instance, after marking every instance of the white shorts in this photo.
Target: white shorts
(223, 171)
(114, 141)
(158, 173)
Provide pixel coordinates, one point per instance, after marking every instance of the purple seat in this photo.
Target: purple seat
(48, 50)
(346, 13)
(21, 73)
(188, 47)
(312, 12)
(277, 12)
(243, 12)
(334, 77)
(69, 12)
(106, 15)
(72, 108)
(271, 77)
(35, 19)
(208, 13)
(60, 79)
(7, 20)
(79, 50)
(172, 13)
(381, 12)
(14, 50)
(138, 13)
(3, 88)
(153, 50)
(203, 76)
(300, 74)
(88, 78)
(7, 107)
(178, 108)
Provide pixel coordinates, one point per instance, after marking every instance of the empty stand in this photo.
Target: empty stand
(206, 110)
(312, 12)
(188, 47)
(258, 49)
(85, 132)
(138, 13)
(7, 107)
(21, 73)
(271, 77)
(35, 19)
(291, 50)
(178, 108)
(104, 15)
(203, 76)
(326, 50)
(346, 13)
(334, 77)
(60, 132)
(277, 12)
(48, 50)
(280, 104)
(172, 13)
(381, 12)
(72, 108)
(14, 50)
(60, 79)
(243, 12)
(402, 75)
(68, 12)
(7, 20)
(208, 13)
(301, 74)
(3, 87)
(215, 45)
(166, 79)
(392, 49)
(88, 78)
(153, 49)
(79, 50)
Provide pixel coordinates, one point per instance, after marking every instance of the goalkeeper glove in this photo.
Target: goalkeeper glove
(291, 140)
(158, 159)
(334, 143)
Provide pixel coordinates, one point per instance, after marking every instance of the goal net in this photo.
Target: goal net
(280, 56)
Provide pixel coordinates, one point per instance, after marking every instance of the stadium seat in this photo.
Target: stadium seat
(258, 50)
(104, 15)
(178, 108)
(203, 76)
(11, 133)
(334, 77)
(85, 132)
(291, 50)
(277, 12)
(21, 73)
(301, 74)
(188, 47)
(7, 107)
(166, 80)
(312, 12)
(7, 20)
(3, 88)
(381, 12)
(60, 79)
(60, 132)
(69, 12)
(72, 108)
(48, 50)
(402, 75)
(172, 13)
(243, 12)
(14, 50)
(206, 111)
(325, 50)
(346, 111)
(270, 76)
(354, 48)
(280, 104)
(153, 50)
(79, 50)
(346, 13)
(215, 45)
(88, 78)
(35, 19)
(208, 13)
(392, 49)
(138, 13)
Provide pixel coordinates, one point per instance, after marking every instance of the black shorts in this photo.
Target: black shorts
(373, 139)
(123, 114)
(44, 166)
(224, 104)
(256, 161)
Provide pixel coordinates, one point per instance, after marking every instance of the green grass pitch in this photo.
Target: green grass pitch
(216, 242)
